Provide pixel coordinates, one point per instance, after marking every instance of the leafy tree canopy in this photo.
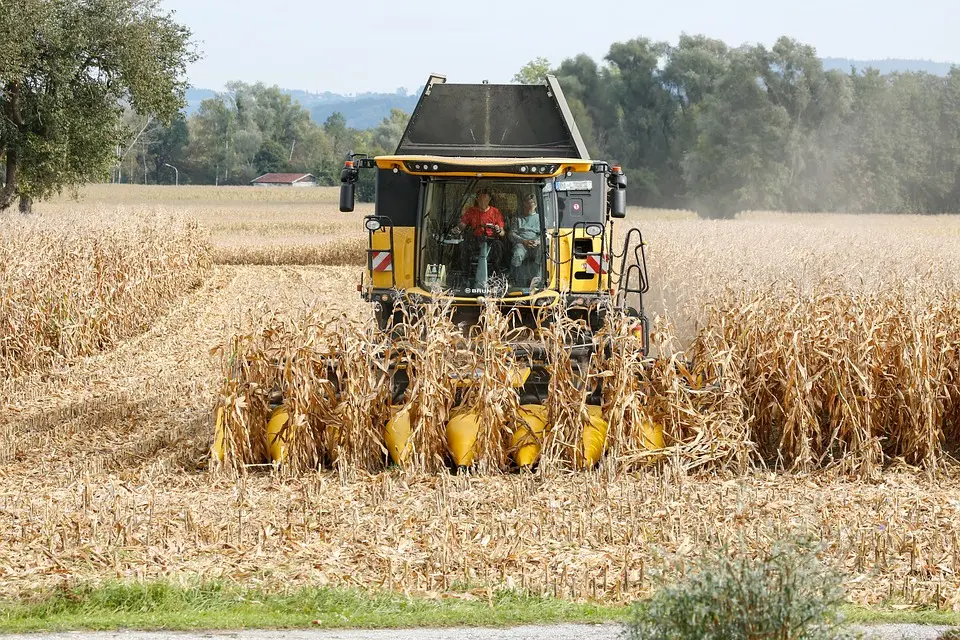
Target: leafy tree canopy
(721, 130)
(67, 68)
(534, 72)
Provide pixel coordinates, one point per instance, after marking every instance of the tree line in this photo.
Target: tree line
(244, 132)
(698, 124)
(724, 129)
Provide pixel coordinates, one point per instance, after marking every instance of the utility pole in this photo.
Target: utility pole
(176, 170)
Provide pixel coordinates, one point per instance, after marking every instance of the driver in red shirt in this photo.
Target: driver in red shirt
(483, 213)
(475, 219)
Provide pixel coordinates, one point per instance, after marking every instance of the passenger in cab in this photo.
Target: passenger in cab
(525, 232)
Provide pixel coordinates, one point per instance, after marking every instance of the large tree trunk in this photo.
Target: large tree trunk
(9, 192)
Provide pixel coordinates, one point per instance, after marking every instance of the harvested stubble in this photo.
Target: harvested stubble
(577, 536)
(74, 284)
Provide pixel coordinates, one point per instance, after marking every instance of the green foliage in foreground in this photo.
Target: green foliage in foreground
(785, 594)
(159, 605)
(163, 606)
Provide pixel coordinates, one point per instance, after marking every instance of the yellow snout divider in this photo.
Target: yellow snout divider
(277, 437)
(397, 435)
(651, 435)
(528, 436)
(594, 439)
(462, 432)
(219, 448)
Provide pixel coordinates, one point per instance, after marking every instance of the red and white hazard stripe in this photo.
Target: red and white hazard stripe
(595, 263)
(382, 261)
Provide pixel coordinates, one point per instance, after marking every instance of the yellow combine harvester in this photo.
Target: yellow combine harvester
(491, 196)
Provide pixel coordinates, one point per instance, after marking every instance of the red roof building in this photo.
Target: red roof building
(285, 180)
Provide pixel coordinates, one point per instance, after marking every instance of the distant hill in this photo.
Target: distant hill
(362, 111)
(889, 65)
(366, 110)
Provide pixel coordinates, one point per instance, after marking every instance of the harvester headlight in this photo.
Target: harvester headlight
(436, 167)
(523, 169)
(417, 167)
(372, 224)
(593, 230)
(543, 169)
(396, 169)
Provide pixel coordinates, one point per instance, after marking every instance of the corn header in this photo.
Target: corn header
(491, 204)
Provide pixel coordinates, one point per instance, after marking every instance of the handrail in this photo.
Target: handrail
(384, 221)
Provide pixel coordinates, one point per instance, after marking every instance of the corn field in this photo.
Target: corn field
(841, 369)
(74, 285)
(806, 380)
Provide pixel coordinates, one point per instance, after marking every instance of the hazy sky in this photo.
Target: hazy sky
(378, 45)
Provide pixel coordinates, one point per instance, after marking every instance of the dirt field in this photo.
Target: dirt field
(104, 466)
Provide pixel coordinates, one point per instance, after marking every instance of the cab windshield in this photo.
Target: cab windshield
(483, 237)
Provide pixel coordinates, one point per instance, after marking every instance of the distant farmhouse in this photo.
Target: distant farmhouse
(285, 180)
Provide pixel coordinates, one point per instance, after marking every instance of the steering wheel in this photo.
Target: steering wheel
(491, 227)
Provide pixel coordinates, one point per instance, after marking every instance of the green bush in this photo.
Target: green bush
(786, 594)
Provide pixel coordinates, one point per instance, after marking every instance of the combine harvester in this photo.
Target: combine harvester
(492, 198)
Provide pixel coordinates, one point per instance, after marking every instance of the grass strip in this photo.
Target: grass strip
(164, 606)
(161, 605)
(917, 615)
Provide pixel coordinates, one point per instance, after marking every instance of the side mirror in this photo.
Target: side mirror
(348, 186)
(348, 194)
(617, 196)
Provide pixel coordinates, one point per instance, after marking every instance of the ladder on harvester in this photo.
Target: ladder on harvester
(633, 282)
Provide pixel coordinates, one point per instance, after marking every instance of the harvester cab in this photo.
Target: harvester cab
(491, 194)
(491, 197)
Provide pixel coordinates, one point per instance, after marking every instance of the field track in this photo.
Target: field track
(149, 399)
